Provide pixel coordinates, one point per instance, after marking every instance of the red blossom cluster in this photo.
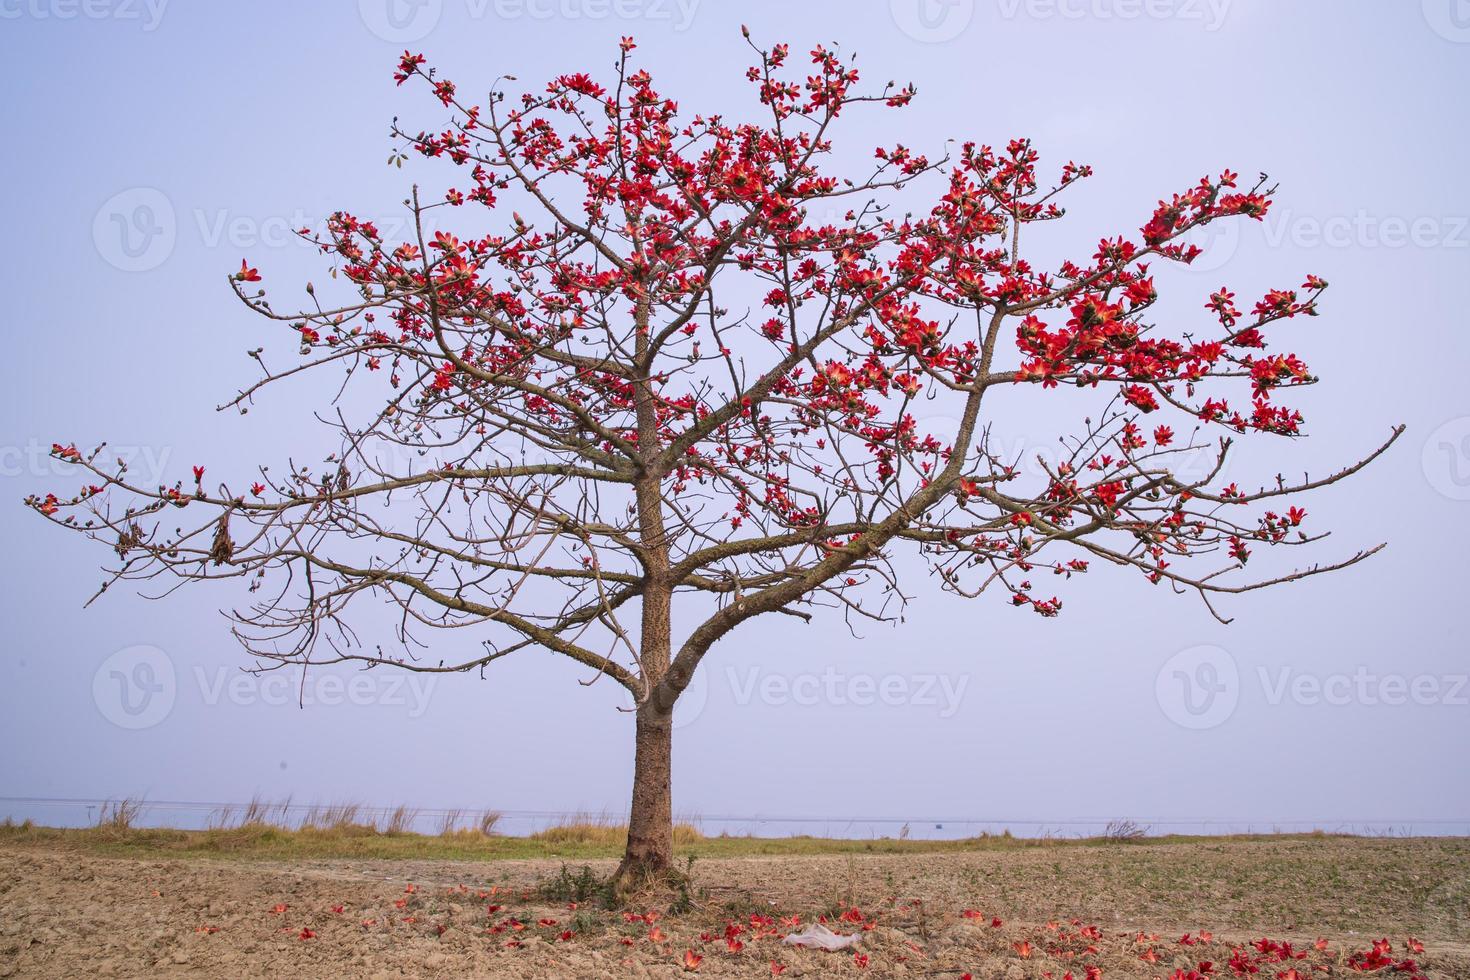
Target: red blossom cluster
(696, 356)
(1062, 950)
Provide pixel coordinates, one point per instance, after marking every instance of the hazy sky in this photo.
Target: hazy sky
(151, 146)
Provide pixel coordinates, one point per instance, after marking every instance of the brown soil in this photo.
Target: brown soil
(67, 911)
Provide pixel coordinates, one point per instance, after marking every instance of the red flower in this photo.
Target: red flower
(1140, 398)
(408, 66)
(246, 273)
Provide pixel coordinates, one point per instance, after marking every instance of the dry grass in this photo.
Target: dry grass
(602, 831)
(262, 830)
(256, 813)
(400, 821)
(1124, 830)
(119, 816)
(487, 821)
(281, 830)
(342, 818)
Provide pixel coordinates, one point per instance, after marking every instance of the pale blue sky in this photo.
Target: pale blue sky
(216, 127)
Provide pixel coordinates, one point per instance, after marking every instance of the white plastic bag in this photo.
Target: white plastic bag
(819, 936)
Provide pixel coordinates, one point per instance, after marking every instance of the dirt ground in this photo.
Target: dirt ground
(1329, 907)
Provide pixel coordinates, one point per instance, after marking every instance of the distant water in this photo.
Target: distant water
(187, 815)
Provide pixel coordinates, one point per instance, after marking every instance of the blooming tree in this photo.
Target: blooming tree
(688, 377)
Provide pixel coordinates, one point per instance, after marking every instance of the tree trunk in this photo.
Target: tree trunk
(650, 850)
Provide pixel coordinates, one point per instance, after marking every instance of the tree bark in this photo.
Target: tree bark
(650, 850)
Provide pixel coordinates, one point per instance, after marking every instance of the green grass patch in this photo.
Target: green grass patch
(583, 840)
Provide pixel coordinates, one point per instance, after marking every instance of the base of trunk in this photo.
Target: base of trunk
(648, 858)
(638, 875)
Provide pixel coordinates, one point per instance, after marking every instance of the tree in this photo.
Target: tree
(689, 379)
